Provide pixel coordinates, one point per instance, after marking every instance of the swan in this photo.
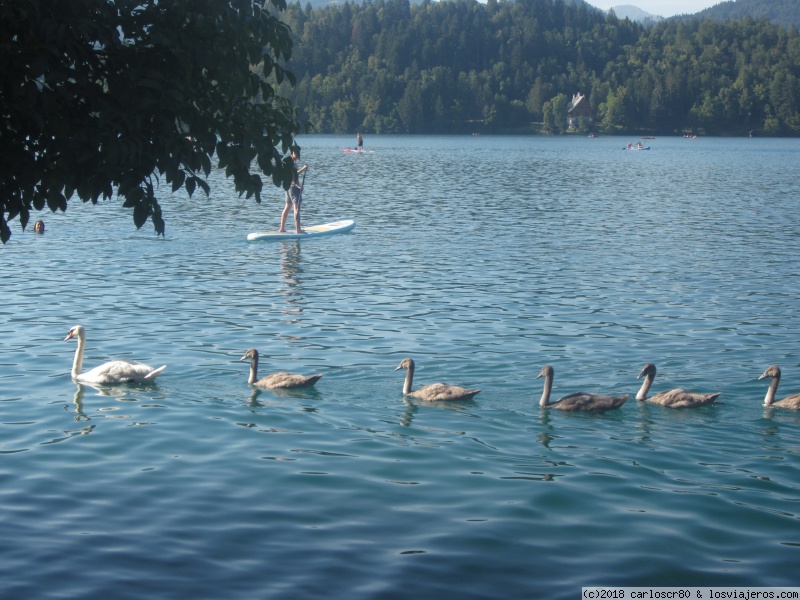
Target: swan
(115, 371)
(277, 380)
(434, 392)
(676, 398)
(792, 401)
(580, 401)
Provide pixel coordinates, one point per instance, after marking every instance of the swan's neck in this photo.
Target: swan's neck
(548, 385)
(648, 381)
(253, 370)
(409, 379)
(77, 362)
(773, 389)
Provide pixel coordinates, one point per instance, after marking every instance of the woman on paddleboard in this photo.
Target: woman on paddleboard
(294, 195)
(359, 142)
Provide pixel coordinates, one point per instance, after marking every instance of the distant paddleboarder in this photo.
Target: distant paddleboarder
(360, 142)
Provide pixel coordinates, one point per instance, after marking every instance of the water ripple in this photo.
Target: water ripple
(582, 256)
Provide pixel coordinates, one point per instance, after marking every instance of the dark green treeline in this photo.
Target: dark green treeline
(459, 66)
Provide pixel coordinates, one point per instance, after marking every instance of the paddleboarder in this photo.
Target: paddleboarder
(294, 195)
(360, 142)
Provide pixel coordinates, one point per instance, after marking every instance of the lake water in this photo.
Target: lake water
(483, 258)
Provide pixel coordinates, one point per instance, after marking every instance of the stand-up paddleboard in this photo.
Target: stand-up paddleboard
(315, 231)
(354, 151)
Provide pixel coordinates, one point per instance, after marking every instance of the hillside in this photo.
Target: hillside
(324, 3)
(781, 12)
(463, 66)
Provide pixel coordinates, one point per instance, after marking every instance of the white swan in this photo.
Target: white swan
(115, 371)
(792, 402)
(434, 392)
(677, 398)
(277, 380)
(580, 401)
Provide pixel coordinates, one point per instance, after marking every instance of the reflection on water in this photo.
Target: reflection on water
(407, 417)
(544, 439)
(545, 436)
(291, 270)
(260, 398)
(128, 393)
(252, 401)
(77, 400)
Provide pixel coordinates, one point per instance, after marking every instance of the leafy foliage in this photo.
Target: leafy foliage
(461, 66)
(111, 96)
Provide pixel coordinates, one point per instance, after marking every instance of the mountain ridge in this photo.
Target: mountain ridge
(634, 13)
(780, 12)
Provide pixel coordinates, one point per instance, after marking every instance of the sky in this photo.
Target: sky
(661, 8)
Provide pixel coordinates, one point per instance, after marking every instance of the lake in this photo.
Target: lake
(484, 259)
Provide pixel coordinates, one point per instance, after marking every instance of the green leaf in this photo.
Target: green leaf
(140, 213)
(178, 180)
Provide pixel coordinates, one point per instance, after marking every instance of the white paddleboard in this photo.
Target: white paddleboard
(316, 230)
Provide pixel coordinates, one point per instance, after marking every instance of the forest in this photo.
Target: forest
(462, 66)
(782, 12)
